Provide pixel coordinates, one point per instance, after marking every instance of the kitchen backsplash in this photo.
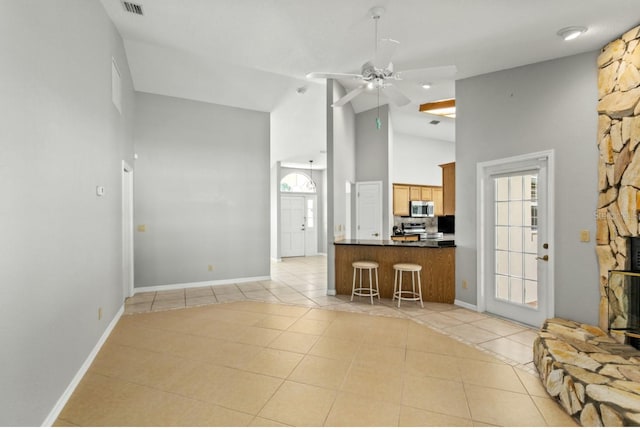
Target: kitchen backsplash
(431, 223)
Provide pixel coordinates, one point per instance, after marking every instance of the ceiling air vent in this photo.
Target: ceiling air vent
(132, 7)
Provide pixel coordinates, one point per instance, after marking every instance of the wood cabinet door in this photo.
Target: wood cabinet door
(449, 188)
(426, 194)
(401, 200)
(415, 193)
(438, 209)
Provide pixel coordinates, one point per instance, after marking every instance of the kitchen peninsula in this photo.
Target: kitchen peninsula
(438, 266)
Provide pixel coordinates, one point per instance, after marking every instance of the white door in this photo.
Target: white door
(516, 233)
(293, 227)
(310, 226)
(127, 230)
(369, 210)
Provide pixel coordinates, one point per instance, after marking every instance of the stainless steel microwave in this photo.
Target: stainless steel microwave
(421, 208)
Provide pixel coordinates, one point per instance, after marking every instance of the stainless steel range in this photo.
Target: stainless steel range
(415, 228)
(432, 238)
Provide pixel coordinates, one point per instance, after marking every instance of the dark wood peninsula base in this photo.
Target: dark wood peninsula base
(438, 266)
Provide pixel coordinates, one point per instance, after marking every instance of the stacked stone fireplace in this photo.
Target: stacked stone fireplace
(618, 169)
(593, 372)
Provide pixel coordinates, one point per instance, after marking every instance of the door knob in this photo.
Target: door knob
(375, 234)
(543, 258)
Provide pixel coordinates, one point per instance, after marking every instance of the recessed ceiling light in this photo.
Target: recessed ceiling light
(570, 33)
(426, 86)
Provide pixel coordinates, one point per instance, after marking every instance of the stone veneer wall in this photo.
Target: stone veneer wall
(618, 166)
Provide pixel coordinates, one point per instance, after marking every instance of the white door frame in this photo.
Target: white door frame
(127, 230)
(482, 208)
(380, 200)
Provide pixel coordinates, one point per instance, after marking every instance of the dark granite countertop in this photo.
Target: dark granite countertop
(412, 244)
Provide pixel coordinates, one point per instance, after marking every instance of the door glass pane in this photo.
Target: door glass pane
(515, 264)
(530, 239)
(502, 287)
(502, 262)
(310, 221)
(516, 242)
(502, 238)
(502, 189)
(502, 213)
(515, 238)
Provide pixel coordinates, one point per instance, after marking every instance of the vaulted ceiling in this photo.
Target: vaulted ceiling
(250, 53)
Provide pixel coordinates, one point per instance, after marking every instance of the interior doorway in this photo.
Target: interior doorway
(369, 210)
(515, 258)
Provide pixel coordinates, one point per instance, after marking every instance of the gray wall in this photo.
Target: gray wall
(549, 105)
(202, 190)
(60, 246)
(341, 168)
(372, 155)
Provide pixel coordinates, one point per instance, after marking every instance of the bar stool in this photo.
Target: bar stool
(365, 291)
(412, 294)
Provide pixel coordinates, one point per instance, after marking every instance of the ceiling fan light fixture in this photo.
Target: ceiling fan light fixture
(570, 33)
(441, 107)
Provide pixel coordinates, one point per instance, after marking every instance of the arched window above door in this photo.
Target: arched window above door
(297, 183)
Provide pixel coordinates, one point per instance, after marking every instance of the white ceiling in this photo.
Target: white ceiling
(249, 53)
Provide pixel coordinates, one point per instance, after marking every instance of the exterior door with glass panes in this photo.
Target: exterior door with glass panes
(516, 241)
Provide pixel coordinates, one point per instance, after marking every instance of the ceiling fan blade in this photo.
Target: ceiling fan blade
(429, 73)
(321, 75)
(386, 49)
(395, 95)
(348, 97)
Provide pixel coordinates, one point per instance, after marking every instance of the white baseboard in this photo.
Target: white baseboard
(62, 401)
(200, 284)
(322, 253)
(466, 305)
(276, 260)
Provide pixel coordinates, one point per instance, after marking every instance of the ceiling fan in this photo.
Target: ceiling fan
(378, 74)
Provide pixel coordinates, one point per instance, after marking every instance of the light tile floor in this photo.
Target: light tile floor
(281, 352)
(302, 281)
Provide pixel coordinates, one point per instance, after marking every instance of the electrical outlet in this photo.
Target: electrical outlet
(585, 236)
(210, 267)
(464, 284)
(99, 314)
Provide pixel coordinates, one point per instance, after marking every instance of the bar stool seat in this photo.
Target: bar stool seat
(406, 294)
(363, 291)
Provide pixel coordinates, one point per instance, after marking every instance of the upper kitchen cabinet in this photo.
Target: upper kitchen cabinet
(401, 197)
(426, 194)
(404, 193)
(436, 196)
(415, 192)
(449, 188)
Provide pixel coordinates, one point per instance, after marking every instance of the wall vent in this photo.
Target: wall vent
(132, 7)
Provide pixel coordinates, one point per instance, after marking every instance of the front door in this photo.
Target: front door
(369, 210)
(293, 226)
(516, 239)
